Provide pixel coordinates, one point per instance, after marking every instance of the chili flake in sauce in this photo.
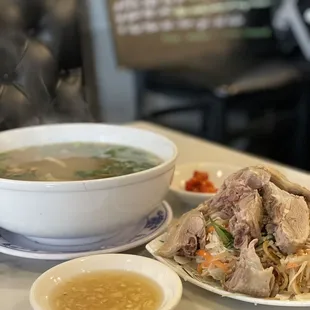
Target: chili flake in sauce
(200, 183)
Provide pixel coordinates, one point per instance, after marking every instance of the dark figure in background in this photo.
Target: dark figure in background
(40, 59)
(291, 23)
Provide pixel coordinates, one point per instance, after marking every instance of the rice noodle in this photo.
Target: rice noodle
(275, 249)
(307, 273)
(283, 296)
(50, 177)
(302, 296)
(284, 276)
(292, 285)
(270, 255)
(293, 281)
(56, 161)
(296, 259)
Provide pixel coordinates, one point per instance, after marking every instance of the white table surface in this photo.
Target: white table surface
(17, 275)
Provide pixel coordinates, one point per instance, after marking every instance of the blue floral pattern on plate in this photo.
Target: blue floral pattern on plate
(131, 237)
(153, 221)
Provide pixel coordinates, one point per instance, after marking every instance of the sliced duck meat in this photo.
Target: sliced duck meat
(250, 277)
(255, 177)
(185, 236)
(247, 219)
(283, 183)
(236, 186)
(289, 218)
(223, 203)
(239, 201)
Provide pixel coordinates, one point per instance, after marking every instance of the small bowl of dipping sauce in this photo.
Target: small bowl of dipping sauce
(193, 183)
(108, 281)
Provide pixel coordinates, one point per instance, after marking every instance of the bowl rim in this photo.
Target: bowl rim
(171, 303)
(96, 184)
(183, 192)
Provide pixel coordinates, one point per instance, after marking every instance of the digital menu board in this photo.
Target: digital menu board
(152, 33)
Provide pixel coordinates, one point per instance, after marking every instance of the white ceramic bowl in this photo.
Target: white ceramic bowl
(217, 171)
(78, 212)
(167, 279)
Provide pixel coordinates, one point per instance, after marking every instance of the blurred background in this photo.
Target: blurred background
(233, 72)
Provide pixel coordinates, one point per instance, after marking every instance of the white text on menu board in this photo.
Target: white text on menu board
(138, 17)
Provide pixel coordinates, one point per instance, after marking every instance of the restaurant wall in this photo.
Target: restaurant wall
(116, 86)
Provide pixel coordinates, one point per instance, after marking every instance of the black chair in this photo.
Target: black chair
(41, 64)
(272, 93)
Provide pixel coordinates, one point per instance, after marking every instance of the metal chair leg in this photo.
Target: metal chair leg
(140, 94)
(302, 145)
(218, 121)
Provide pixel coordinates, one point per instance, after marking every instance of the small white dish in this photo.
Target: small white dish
(126, 239)
(215, 287)
(167, 279)
(217, 171)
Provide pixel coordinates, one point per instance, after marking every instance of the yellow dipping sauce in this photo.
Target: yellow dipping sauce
(107, 290)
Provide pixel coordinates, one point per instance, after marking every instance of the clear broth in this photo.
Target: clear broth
(74, 162)
(107, 290)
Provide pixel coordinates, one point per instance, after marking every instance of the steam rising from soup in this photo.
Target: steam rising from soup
(74, 162)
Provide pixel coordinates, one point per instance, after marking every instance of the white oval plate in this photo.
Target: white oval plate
(128, 238)
(214, 287)
(217, 171)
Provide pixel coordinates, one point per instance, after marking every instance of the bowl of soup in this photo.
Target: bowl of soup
(109, 281)
(69, 184)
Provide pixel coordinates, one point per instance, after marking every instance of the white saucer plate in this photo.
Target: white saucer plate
(215, 287)
(128, 238)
